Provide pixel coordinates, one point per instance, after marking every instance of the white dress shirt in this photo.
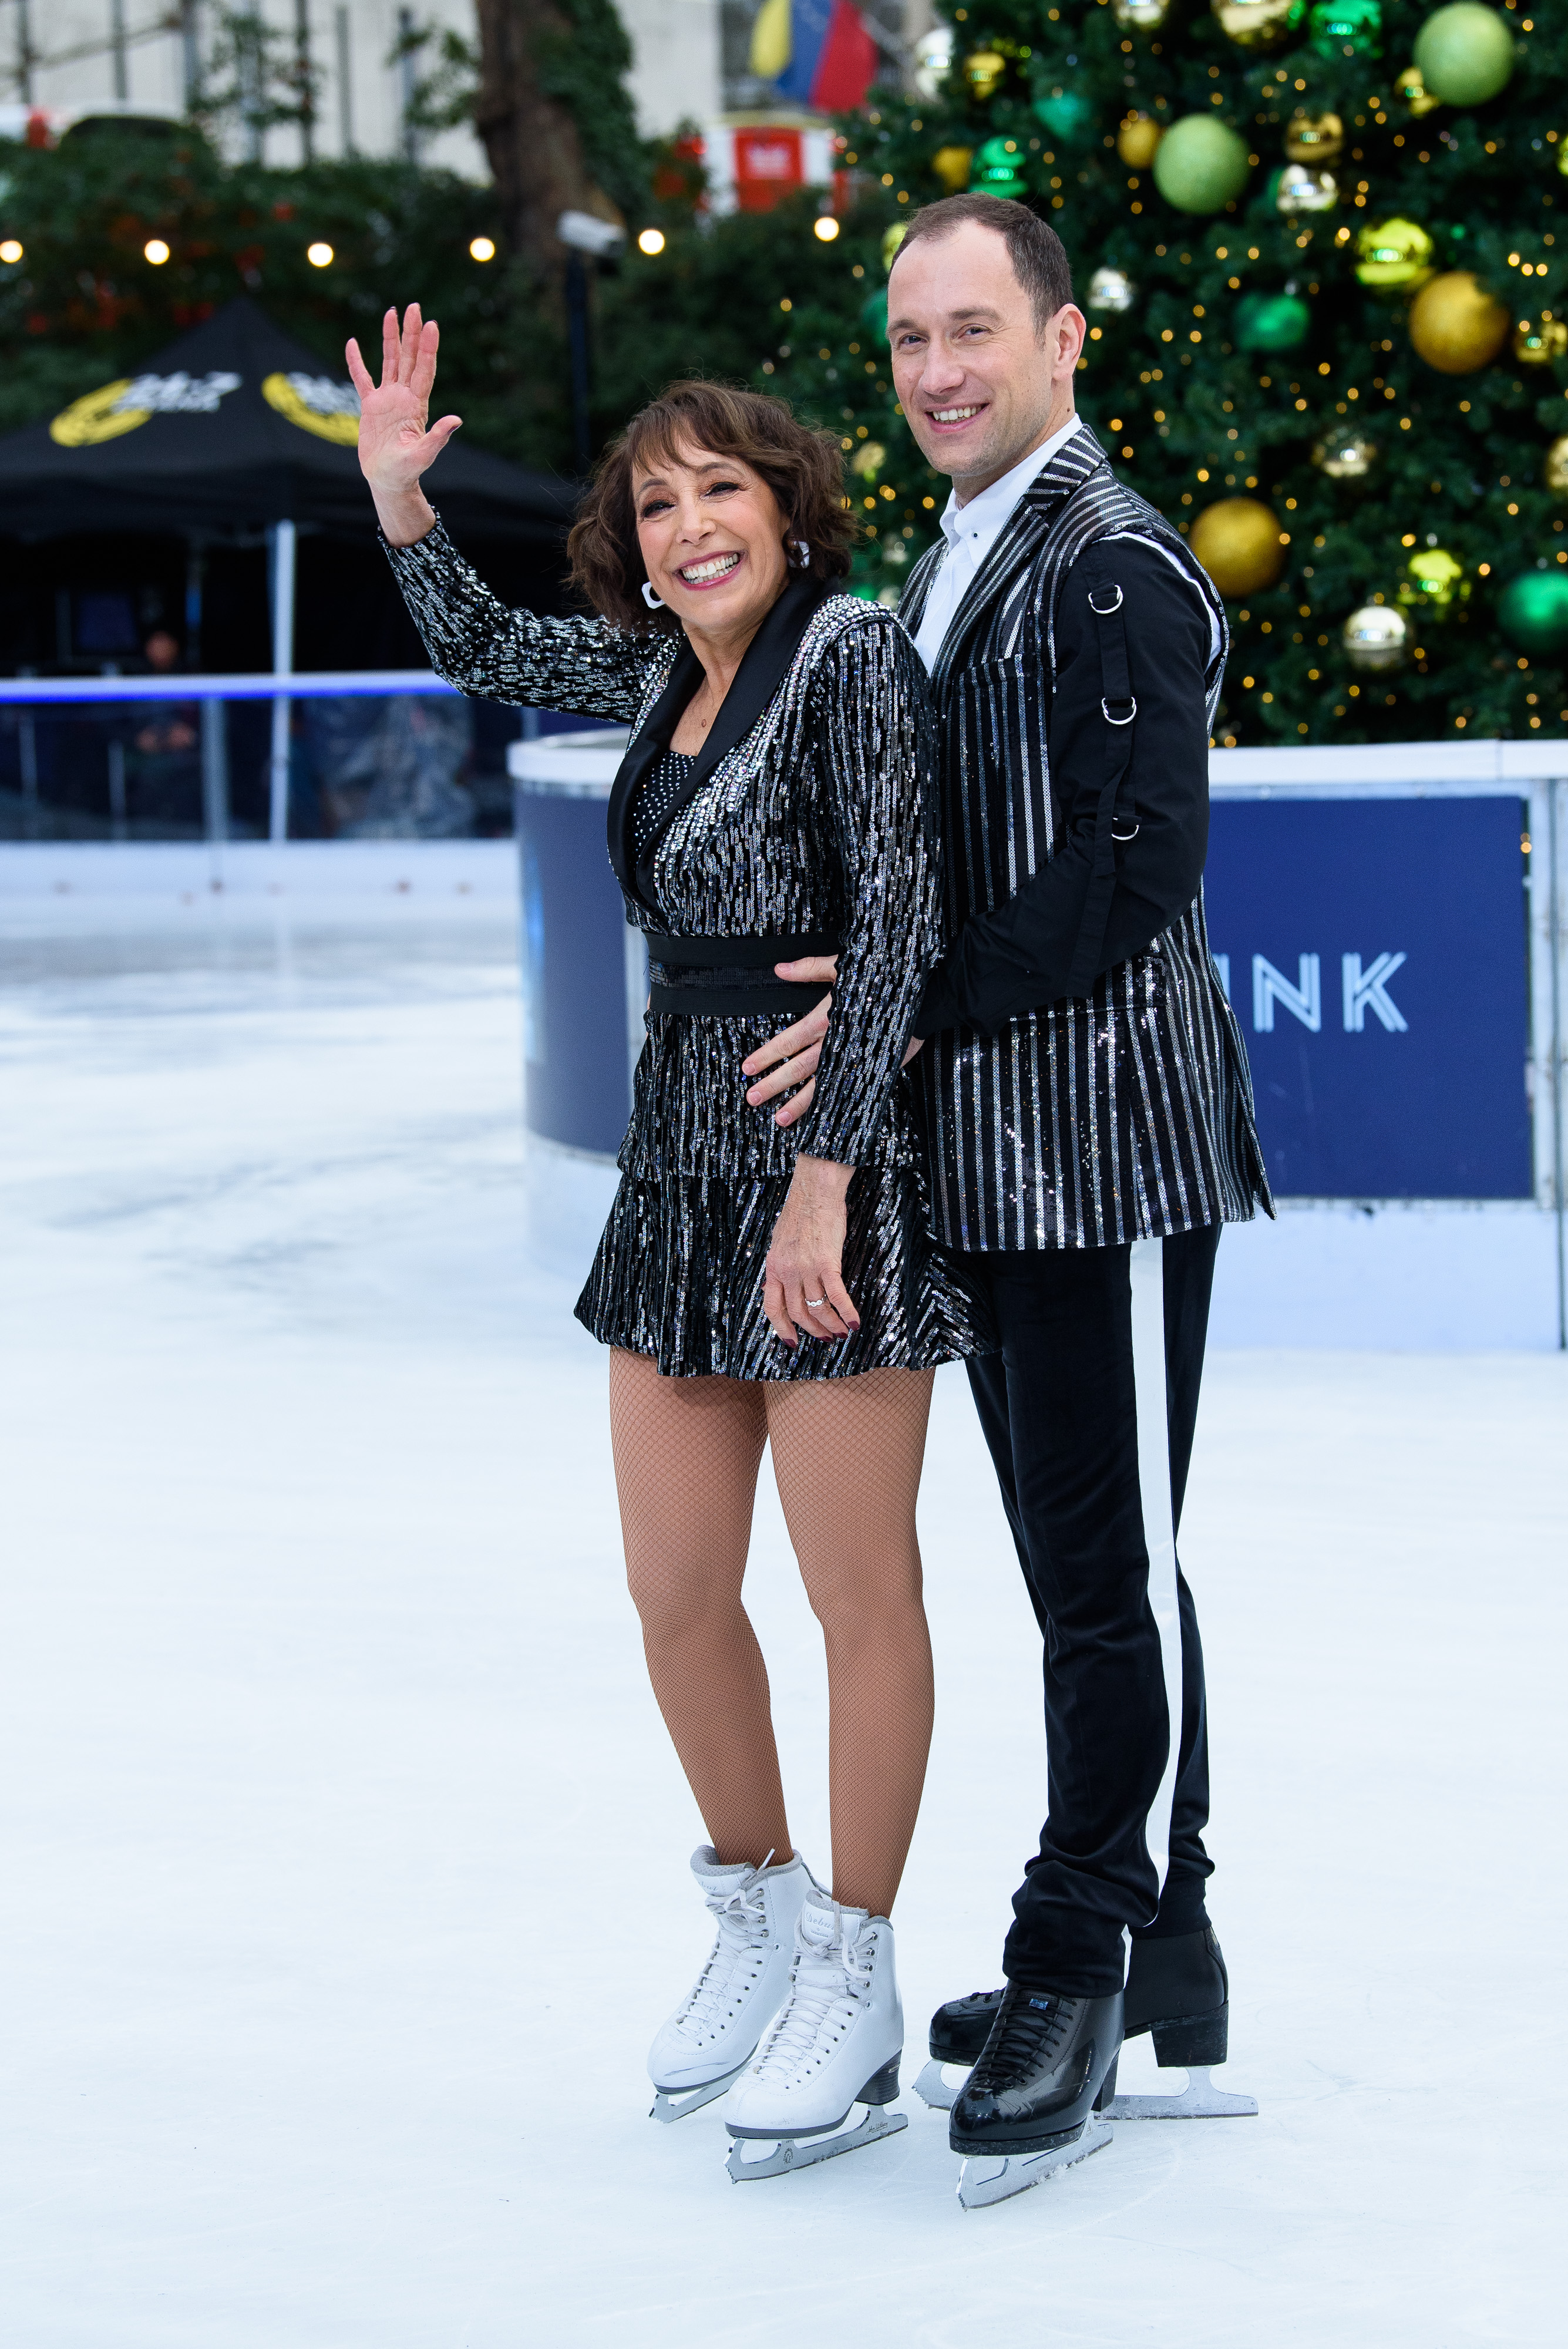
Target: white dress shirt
(972, 531)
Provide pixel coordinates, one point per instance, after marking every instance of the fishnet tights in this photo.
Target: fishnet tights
(846, 1458)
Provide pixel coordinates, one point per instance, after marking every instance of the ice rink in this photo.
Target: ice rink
(345, 1856)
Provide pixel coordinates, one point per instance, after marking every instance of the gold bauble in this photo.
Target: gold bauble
(1538, 341)
(1257, 24)
(1554, 473)
(1435, 577)
(1455, 325)
(1237, 542)
(951, 165)
(892, 239)
(1136, 140)
(1411, 89)
(1375, 637)
(1393, 252)
(985, 70)
(1345, 457)
(1314, 138)
(1302, 189)
(1140, 16)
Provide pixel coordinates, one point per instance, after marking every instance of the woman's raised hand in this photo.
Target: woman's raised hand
(397, 444)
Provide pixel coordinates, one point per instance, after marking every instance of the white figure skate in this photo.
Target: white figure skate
(714, 2031)
(836, 2044)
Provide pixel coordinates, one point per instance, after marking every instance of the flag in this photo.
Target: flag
(817, 51)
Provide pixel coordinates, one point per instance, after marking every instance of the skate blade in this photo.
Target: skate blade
(675, 2104)
(1199, 2101)
(800, 2153)
(934, 2088)
(995, 2177)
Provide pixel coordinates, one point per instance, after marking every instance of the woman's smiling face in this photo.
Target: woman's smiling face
(712, 538)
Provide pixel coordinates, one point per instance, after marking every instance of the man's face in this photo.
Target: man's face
(980, 384)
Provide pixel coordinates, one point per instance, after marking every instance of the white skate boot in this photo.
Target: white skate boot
(713, 2033)
(836, 2043)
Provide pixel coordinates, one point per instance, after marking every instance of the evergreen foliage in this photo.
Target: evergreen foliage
(1191, 415)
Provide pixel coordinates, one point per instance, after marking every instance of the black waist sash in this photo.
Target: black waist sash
(730, 989)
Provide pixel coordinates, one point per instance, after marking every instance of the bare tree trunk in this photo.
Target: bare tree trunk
(536, 154)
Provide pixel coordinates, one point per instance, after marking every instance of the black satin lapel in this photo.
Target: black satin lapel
(764, 668)
(650, 742)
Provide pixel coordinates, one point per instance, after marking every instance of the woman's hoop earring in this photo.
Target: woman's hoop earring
(654, 602)
(803, 550)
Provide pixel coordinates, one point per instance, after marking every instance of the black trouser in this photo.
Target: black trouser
(1101, 1347)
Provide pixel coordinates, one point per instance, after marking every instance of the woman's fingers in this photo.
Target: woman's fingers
(425, 351)
(789, 1040)
(389, 348)
(783, 1328)
(793, 1069)
(797, 1104)
(358, 373)
(812, 1302)
(409, 351)
(436, 438)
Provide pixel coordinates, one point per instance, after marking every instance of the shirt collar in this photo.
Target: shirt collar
(985, 514)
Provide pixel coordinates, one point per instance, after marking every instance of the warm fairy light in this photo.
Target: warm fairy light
(155, 251)
(481, 248)
(318, 255)
(10, 251)
(826, 227)
(651, 239)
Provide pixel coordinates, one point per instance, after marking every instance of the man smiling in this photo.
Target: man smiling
(1088, 1116)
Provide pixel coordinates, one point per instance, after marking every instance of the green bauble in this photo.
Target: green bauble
(1201, 164)
(1465, 53)
(996, 169)
(1066, 114)
(1532, 612)
(1271, 322)
(1347, 28)
(873, 314)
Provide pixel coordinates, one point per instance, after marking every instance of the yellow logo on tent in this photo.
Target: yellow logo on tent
(98, 416)
(316, 404)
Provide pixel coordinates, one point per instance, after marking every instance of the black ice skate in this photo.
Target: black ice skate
(1177, 1989)
(1032, 2104)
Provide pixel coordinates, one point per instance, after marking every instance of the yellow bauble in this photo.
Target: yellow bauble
(1393, 252)
(892, 239)
(1375, 637)
(951, 165)
(1554, 473)
(1257, 24)
(1237, 542)
(1411, 87)
(985, 70)
(1346, 456)
(1136, 140)
(1455, 325)
(1314, 138)
(1538, 341)
(1435, 577)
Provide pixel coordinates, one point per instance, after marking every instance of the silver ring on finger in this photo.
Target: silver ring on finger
(812, 1302)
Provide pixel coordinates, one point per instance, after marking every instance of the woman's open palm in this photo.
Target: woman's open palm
(395, 446)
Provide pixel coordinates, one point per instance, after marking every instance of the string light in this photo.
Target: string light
(10, 251)
(825, 227)
(319, 255)
(650, 241)
(481, 248)
(155, 251)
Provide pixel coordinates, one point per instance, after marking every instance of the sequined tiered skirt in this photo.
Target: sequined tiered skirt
(679, 1275)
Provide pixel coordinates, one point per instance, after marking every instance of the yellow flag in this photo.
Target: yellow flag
(772, 47)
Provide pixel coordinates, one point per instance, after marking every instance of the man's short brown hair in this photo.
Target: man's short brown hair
(1038, 256)
(804, 470)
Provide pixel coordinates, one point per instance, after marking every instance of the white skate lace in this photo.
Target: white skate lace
(825, 1987)
(742, 1935)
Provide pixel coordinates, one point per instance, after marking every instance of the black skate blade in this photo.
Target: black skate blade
(934, 2088)
(674, 2104)
(1199, 2101)
(800, 2153)
(987, 2177)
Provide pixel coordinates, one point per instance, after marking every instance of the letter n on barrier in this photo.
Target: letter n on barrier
(1364, 991)
(1271, 986)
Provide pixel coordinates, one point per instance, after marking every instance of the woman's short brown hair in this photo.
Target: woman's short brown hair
(803, 469)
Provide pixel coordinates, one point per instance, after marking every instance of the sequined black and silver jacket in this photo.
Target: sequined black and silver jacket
(1057, 1118)
(810, 810)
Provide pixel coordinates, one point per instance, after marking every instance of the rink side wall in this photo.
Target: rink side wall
(1447, 1273)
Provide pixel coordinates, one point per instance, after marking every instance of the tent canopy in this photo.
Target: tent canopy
(233, 426)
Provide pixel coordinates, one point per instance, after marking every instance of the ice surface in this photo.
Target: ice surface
(345, 1856)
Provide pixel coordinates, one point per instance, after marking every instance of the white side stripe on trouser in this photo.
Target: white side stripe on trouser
(1158, 1531)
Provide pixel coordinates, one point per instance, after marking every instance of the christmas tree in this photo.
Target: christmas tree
(1317, 249)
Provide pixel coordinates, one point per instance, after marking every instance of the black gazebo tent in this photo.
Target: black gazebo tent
(233, 426)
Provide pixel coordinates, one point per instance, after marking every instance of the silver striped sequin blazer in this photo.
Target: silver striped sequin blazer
(1126, 1115)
